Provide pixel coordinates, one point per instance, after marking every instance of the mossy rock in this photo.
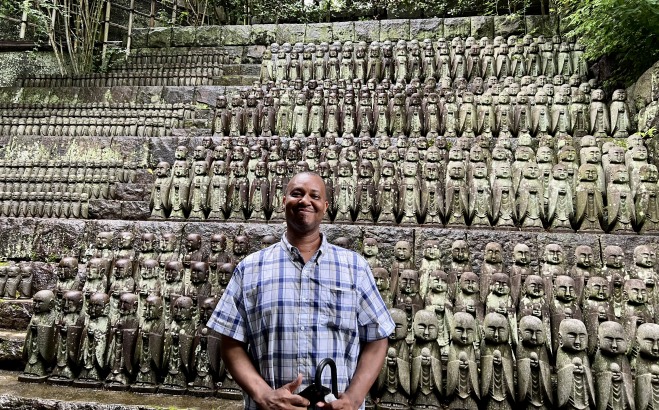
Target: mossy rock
(184, 36)
(318, 33)
(236, 35)
(427, 28)
(395, 30)
(508, 25)
(263, 34)
(209, 36)
(343, 31)
(367, 31)
(482, 26)
(457, 27)
(160, 37)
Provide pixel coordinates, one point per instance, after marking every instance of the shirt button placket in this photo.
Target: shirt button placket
(303, 335)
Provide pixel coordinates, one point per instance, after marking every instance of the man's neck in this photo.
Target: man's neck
(306, 243)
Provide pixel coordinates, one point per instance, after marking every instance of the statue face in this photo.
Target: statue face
(532, 332)
(240, 245)
(469, 283)
(96, 307)
(584, 257)
(636, 291)
(409, 282)
(614, 257)
(460, 251)
(172, 274)
(648, 340)
(218, 244)
(370, 247)
(127, 306)
(495, 328)
(181, 153)
(501, 286)
(126, 240)
(572, 335)
(535, 287)
(564, 289)
(152, 309)
(198, 275)
(438, 284)
(162, 170)
(644, 256)
(431, 250)
(425, 326)
(612, 338)
(182, 311)
(103, 240)
(381, 279)
(403, 250)
(493, 253)
(464, 330)
(597, 288)
(400, 320)
(553, 254)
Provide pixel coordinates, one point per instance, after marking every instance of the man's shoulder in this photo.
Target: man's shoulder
(259, 257)
(349, 256)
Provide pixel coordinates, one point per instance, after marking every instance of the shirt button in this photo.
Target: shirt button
(302, 328)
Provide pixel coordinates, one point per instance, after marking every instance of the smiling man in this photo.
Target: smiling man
(298, 302)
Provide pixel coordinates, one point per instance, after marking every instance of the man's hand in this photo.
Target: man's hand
(344, 402)
(283, 398)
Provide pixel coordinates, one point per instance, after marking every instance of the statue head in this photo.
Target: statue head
(464, 329)
(597, 288)
(409, 282)
(162, 169)
(495, 328)
(72, 301)
(198, 272)
(67, 269)
(635, 291)
(128, 304)
(126, 240)
(645, 256)
(381, 276)
(460, 251)
(149, 268)
(183, 308)
(611, 337)
(647, 337)
(438, 281)
(218, 242)
(370, 247)
(240, 245)
(469, 283)
(532, 331)
(500, 284)
(648, 173)
(104, 240)
(400, 320)
(553, 254)
(153, 307)
(493, 252)
(425, 326)
(534, 287)
(403, 250)
(583, 256)
(431, 249)
(173, 271)
(614, 257)
(97, 305)
(225, 272)
(564, 288)
(572, 335)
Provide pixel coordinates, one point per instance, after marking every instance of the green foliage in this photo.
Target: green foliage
(626, 31)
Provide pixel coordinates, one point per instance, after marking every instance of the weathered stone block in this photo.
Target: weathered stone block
(207, 94)
(132, 192)
(343, 31)
(122, 94)
(231, 69)
(251, 69)
(457, 27)
(264, 34)
(421, 29)
(15, 314)
(209, 36)
(103, 209)
(318, 32)
(181, 94)
(17, 237)
(290, 33)
(546, 25)
(482, 26)
(146, 95)
(139, 38)
(367, 31)
(254, 54)
(135, 210)
(54, 238)
(63, 95)
(237, 52)
(11, 346)
(237, 35)
(184, 36)
(160, 37)
(394, 30)
(507, 25)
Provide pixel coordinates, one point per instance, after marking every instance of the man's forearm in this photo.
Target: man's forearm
(242, 369)
(368, 367)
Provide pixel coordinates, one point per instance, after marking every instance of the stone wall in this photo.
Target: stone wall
(24, 64)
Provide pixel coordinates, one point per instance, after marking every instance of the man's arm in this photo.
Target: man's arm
(234, 355)
(369, 365)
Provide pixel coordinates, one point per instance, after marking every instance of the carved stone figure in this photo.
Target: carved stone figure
(497, 360)
(179, 192)
(95, 342)
(575, 381)
(121, 355)
(159, 202)
(647, 200)
(621, 211)
(611, 369)
(462, 384)
(534, 389)
(68, 339)
(393, 383)
(520, 270)
(584, 268)
(621, 125)
(39, 348)
(492, 263)
(561, 199)
(647, 370)
(596, 307)
(150, 346)
(589, 210)
(178, 347)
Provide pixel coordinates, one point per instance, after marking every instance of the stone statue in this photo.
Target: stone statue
(504, 211)
(408, 291)
(647, 370)
(467, 298)
(39, 348)
(402, 260)
(564, 305)
(596, 307)
(480, 195)
(621, 211)
(365, 199)
(438, 301)
(456, 195)
(160, 205)
(67, 278)
(520, 270)
(426, 381)
(560, 195)
(575, 381)
(198, 201)
(497, 360)
(95, 342)
(584, 268)
(409, 197)
(381, 276)
(207, 362)
(218, 190)
(430, 263)
(492, 263)
(621, 125)
(344, 193)
(647, 200)
(178, 347)
(599, 115)
(393, 383)
(589, 210)
(122, 283)
(462, 384)
(534, 388)
(636, 310)
(150, 346)
(124, 334)
(530, 198)
(179, 192)
(68, 339)
(432, 195)
(611, 369)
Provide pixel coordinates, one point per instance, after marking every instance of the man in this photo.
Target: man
(297, 302)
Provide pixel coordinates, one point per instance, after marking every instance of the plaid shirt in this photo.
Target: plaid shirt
(293, 315)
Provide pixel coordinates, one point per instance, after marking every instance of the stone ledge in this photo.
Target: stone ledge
(15, 314)
(11, 347)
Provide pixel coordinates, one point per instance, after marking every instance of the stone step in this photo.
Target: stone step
(11, 349)
(27, 396)
(15, 314)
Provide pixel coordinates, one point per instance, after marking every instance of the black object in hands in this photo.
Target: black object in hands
(316, 392)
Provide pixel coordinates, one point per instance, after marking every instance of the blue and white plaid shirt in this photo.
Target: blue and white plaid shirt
(293, 315)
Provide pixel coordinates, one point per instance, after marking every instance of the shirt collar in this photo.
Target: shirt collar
(294, 252)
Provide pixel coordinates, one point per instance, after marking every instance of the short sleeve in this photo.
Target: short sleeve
(229, 316)
(373, 317)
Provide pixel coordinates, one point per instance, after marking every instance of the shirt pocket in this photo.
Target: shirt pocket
(338, 309)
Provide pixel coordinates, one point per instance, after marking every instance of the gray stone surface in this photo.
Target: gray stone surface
(427, 28)
(15, 314)
(254, 54)
(11, 347)
(210, 36)
(482, 26)
(263, 34)
(318, 32)
(184, 36)
(394, 30)
(547, 25)
(236, 35)
(343, 31)
(367, 31)
(507, 25)
(160, 37)
(139, 37)
(457, 27)
(290, 33)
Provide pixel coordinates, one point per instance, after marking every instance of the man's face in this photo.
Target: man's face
(305, 203)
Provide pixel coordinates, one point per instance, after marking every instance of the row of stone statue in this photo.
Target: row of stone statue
(139, 350)
(478, 368)
(320, 112)
(404, 60)
(174, 56)
(63, 169)
(51, 204)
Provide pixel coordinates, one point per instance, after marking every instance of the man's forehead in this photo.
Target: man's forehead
(309, 181)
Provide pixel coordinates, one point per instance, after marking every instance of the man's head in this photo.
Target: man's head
(305, 202)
